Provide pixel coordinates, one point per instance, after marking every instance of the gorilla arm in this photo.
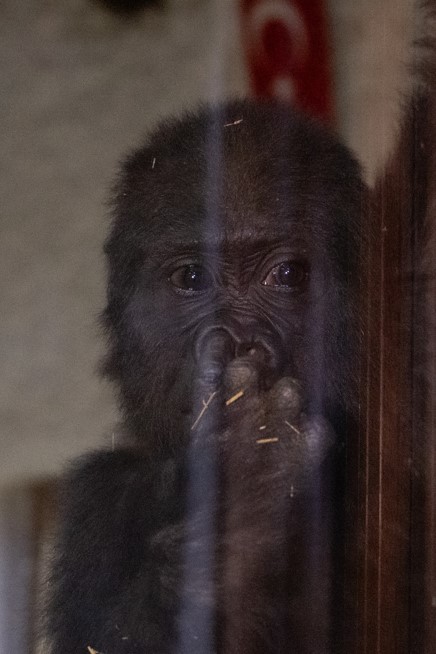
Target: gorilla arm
(121, 572)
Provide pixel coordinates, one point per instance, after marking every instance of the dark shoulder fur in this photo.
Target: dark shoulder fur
(112, 504)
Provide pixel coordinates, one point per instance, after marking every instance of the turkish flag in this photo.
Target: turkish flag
(288, 54)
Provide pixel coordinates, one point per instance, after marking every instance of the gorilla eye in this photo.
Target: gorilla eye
(288, 274)
(193, 278)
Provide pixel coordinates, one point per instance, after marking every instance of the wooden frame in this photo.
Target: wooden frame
(390, 507)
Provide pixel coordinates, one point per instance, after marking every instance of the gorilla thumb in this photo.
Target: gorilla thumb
(214, 349)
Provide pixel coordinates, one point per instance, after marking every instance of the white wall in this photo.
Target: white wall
(79, 88)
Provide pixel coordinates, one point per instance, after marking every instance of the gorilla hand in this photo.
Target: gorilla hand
(257, 421)
(252, 437)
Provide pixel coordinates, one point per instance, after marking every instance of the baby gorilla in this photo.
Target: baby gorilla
(232, 321)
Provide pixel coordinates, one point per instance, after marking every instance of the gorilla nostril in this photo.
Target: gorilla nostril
(214, 343)
(253, 349)
(244, 349)
(267, 355)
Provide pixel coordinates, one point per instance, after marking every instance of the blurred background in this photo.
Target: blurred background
(81, 83)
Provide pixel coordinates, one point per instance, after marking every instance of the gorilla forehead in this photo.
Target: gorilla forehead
(234, 170)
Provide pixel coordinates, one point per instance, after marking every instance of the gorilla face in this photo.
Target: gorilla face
(236, 232)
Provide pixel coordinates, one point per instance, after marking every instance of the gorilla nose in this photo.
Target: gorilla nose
(252, 349)
(217, 346)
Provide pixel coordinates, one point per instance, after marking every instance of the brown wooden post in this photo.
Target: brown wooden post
(388, 594)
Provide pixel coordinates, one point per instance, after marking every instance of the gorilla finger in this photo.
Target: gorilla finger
(206, 408)
(316, 438)
(241, 376)
(285, 399)
(214, 350)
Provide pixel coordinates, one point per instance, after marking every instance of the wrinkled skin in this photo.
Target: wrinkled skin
(232, 321)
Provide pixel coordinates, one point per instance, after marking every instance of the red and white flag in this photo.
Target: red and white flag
(286, 43)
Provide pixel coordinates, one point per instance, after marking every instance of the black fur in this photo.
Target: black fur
(211, 530)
